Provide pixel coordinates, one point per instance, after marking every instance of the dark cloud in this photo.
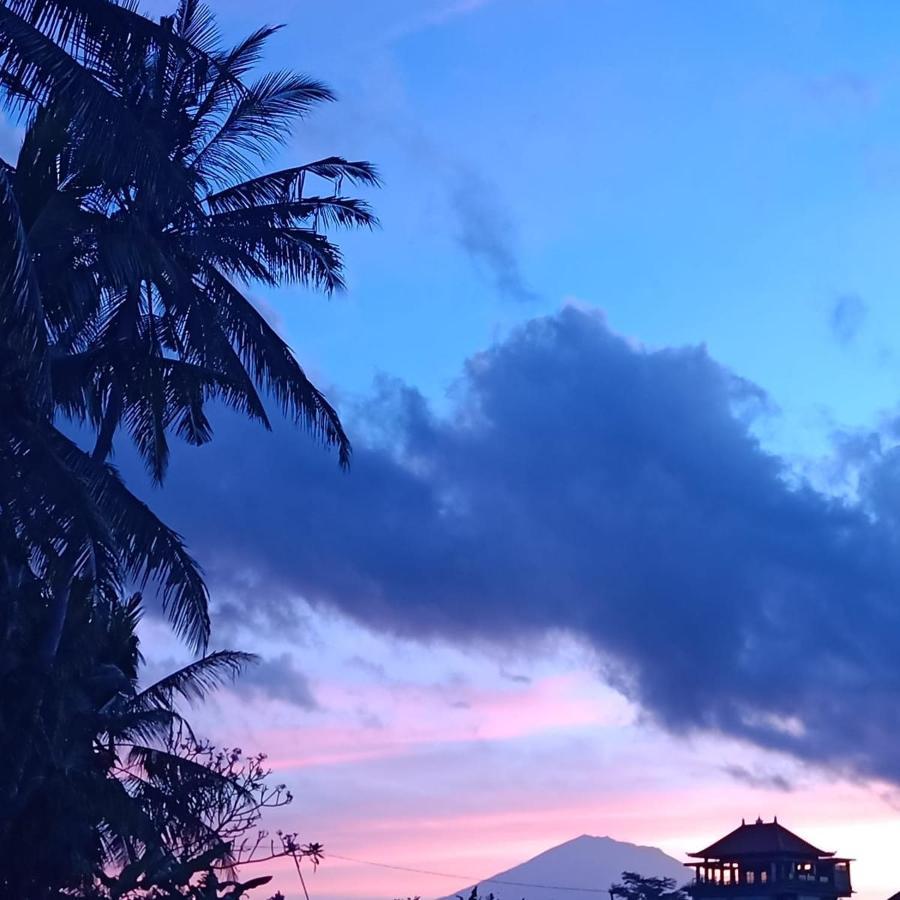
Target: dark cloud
(273, 678)
(587, 486)
(515, 677)
(276, 678)
(373, 670)
(485, 231)
(758, 779)
(846, 317)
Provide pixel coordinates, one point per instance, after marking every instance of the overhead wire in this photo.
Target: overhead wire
(468, 878)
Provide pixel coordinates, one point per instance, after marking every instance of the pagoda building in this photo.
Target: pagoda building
(765, 861)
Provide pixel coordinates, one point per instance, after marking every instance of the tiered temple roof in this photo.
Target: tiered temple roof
(761, 838)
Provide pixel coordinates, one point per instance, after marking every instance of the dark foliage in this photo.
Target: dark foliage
(106, 791)
(639, 887)
(134, 218)
(131, 223)
(475, 895)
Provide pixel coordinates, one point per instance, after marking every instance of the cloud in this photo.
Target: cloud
(486, 232)
(515, 677)
(435, 16)
(757, 779)
(584, 485)
(846, 317)
(474, 211)
(276, 678)
(843, 90)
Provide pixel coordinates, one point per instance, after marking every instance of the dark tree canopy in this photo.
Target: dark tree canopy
(640, 887)
(132, 222)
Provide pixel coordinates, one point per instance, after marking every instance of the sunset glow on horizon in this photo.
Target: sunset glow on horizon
(465, 772)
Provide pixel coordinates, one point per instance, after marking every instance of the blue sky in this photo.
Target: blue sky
(716, 173)
(469, 607)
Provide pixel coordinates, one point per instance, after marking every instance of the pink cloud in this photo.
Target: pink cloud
(417, 715)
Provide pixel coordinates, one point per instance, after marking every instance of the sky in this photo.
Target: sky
(617, 553)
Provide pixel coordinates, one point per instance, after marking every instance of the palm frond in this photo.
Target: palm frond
(274, 253)
(179, 783)
(150, 552)
(98, 33)
(195, 680)
(225, 85)
(271, 362)
(258, 123)
(310, 211)
(164, 785)
(329, 212)
(157, 394)
(207, 344)
(21, 310)
(196, 25)
(52, 508)
(109, 131)
(241, 58)
(124, 821)
(189, 386)
(130, 725)
(287, 185)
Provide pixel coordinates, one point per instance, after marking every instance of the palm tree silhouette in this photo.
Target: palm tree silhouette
(124, 273)
(99, 783)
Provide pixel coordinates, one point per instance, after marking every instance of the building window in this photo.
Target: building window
(751, 877)
(763, 876)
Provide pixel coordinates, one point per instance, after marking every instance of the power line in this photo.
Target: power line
(469, 878)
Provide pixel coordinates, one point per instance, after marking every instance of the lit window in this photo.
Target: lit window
(751, 877)
(763, 876)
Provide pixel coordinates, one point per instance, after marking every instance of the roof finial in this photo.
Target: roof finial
(776, 820)
(759, 820)
(742, 821)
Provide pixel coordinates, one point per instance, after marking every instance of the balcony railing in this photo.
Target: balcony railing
(808, 885)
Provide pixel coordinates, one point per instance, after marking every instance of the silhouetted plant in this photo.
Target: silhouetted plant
(122, 287)
(131, 222)
(474, 895)
(639, 887)
(114, 796)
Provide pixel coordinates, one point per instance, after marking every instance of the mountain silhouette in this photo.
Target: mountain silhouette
(585, 862)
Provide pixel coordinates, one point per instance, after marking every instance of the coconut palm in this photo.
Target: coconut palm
(123, 298)
(63, 518)
(103, 784)
(154, 319)
(52, 51)
(132, 221)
